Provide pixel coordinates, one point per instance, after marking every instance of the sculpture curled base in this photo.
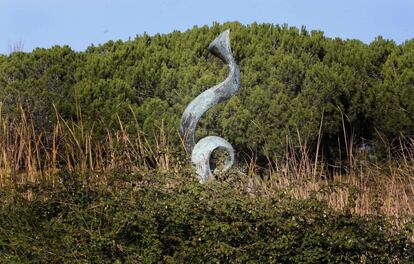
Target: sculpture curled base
(202, 152)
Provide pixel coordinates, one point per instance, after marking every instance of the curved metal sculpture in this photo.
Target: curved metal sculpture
(201, 152)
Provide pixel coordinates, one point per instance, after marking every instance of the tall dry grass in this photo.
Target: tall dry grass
(28, 155)
(363, 188)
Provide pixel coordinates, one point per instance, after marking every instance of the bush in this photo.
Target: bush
(290, 78)
(157, 217)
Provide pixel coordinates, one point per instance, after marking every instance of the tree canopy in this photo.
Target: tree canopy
(290, 79)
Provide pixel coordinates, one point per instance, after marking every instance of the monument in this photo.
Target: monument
(202, 150)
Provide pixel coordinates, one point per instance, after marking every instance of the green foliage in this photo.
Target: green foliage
(154, 217)
(290, 78)
(395, 92)
(38, 80)
(154, 115)
(105, 101)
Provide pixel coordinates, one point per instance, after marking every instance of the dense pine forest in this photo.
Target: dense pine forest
(93, 168)
(291, 79)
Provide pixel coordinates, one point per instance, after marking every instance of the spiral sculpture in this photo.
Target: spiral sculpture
(201, 152)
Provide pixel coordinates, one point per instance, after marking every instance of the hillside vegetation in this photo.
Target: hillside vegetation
(290, 78)
(92, 168)
(167, 218)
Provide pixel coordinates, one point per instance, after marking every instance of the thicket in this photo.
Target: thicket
(161, 217)
(91, 168)
(291, 80)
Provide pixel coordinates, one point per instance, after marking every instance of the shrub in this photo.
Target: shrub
(158, 217)
(290, 78)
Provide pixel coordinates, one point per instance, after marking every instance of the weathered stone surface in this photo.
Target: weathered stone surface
(201, 152)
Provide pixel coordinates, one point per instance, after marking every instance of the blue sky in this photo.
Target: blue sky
(79, 23)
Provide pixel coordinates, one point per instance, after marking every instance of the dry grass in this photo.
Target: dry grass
(365, 189)
(31, 155)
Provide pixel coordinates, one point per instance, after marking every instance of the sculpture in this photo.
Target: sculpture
(201, 152)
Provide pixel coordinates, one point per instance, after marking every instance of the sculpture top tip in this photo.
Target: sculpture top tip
(220, 46)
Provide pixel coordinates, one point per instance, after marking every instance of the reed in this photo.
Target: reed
(32, 155)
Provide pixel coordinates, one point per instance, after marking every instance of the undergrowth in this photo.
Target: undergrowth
(68, 196)
(171, 218)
